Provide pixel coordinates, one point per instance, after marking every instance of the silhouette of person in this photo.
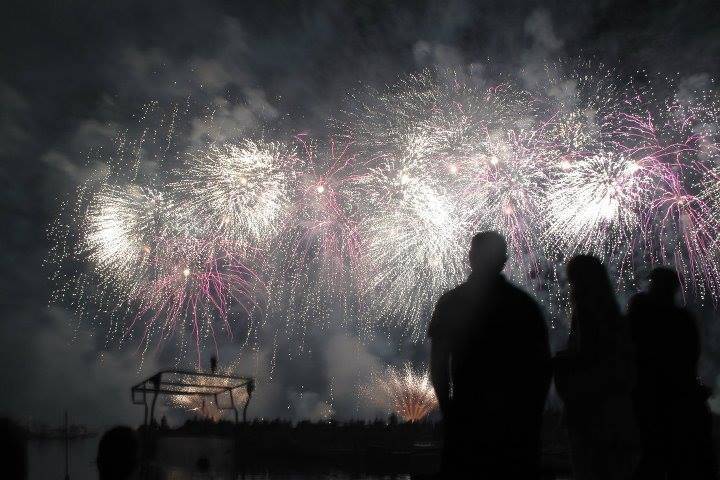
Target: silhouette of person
(490, 367)
(13, 451)
(118, 454)
(594, 377)
(673, 416)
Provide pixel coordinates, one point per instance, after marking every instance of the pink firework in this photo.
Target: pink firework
(158, 266)
(194, 284)
(316, 254)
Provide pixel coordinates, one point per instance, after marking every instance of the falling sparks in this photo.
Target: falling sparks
(242, 191)
(597, 202)
(413, 242)
(368, 227)
(315, 256)
(209, 404)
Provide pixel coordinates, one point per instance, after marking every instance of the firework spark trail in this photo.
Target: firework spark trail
(596, 205)
(327, 200)
(243, 190)
(680, 224)
(406, 392)
(373, 228)
(413, 244)
(316, 253)
(685, 233)
(197, 285)
(505, 193)
(207, 406)
(164, 265)
(702, 116)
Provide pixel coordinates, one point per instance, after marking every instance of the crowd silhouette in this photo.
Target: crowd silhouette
(634, 408)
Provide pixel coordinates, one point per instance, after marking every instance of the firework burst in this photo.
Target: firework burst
(415, 138)
(122, 225)
(371, 229)
(316, 253)
(507, 181)
(405, 391)
(413, 243)
(152, 265)
(242, 191)
(597, 204)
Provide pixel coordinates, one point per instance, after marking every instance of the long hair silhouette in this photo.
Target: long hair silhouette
(595, 319)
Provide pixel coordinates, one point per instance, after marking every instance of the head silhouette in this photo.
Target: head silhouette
(488, 253)
(118, 454)
(587, 276)
(593, 300)
(664, 282)
(589, 281)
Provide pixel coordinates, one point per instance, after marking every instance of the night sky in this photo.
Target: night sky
(73, 74)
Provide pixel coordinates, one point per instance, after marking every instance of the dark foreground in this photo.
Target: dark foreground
(281, 451)
(278, 450)
(314, 450)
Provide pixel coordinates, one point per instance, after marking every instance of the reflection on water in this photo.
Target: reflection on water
(47, 461)
(284, 476)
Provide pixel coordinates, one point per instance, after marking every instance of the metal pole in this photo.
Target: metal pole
(67, 448)
(232, 404)
(156, 380)
(249, 389)
(152, 408)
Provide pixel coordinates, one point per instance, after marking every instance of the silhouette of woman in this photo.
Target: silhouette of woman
(594, 377)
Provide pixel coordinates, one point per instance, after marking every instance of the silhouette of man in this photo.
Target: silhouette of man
(118, 454)
(490, 366)
(670, 405)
